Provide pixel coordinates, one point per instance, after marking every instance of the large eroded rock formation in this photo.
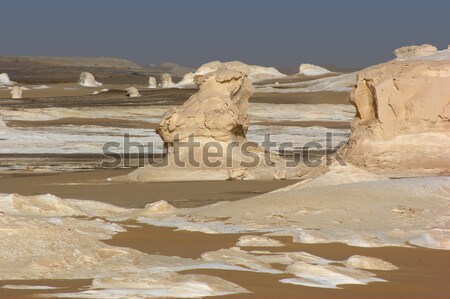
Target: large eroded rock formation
(215, 118)
(402, 121)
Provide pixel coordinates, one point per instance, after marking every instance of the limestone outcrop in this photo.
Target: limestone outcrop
(152, 82)
(206, 139)
(166, 81)
(88, 80)
(218, 112)
(311, 70)
(132, 92)
(16, 92)
(402, 120)
(409, 52)
(4, 79)
(255, 72)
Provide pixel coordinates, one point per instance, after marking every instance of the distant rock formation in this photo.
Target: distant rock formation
(255, 72)
(16, 92)
(152, 82)
(188, 81)
(409, 52)
(132, 92)
(4, 79)
(311, 70)
(403, 111)
(84, 62)
(166, 81)
(88, 80)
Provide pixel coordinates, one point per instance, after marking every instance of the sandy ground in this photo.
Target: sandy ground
(423, 273)
(94, 186)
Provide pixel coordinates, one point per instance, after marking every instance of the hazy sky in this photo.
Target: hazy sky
(279, 33)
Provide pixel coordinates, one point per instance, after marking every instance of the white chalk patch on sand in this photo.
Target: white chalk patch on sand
(39, 87)
(369, 263)
(259, 112)
(327, 276)
(291, 137)
(169, 284)
(56, 245)
(258, 241)
(345, 82)
(347, 211)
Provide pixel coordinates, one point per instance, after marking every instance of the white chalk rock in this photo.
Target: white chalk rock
(217, 112)
(16, 92)
(152, 82)
(166, 81)
(402, 105)
(4, 79)
(132, 92)
(369, 263)
(188, 81)
(254, 72)
(311, 70)
(409, 52)
(258, 241)
(88, 80)
(280, 174)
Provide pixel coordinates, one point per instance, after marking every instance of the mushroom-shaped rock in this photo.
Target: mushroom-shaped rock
(402, 119)
(16, 92)
(166, 81)
(4, 79)
(88, 80)
(152, 82)
(206, 139)
(132, 92)
(188, 81)
(217, 112)
(311, 70)
(409, 52)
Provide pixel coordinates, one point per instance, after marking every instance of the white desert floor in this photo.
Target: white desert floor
(46, 238)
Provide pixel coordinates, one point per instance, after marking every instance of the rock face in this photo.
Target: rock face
(152, 82)
(255, 72)
(166, 81)
(4, 79)
(88, 80)
(16, 92)
(402, 119)
(311, 70)
(132, 92)
(409, 52)
(217, 112)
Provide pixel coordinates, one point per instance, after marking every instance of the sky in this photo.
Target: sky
(345, 33)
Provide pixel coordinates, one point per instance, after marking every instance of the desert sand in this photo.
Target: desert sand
(377, 226)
